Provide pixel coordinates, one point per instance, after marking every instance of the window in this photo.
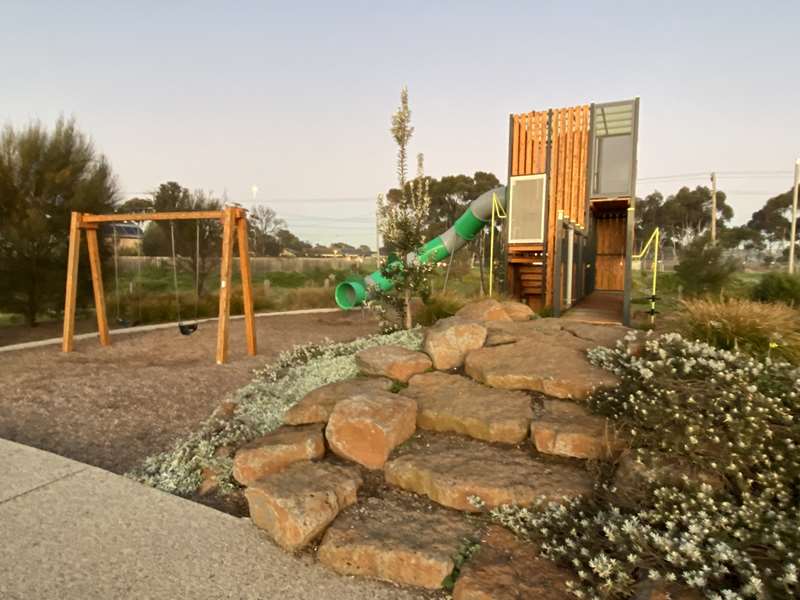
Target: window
(526, 213)
(614, 152)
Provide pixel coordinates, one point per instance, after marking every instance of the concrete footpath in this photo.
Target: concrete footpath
(72, 531)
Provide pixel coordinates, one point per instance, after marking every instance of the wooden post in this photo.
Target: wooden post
(247, 285)
(73, 256)
(225, 273)
(97, 286)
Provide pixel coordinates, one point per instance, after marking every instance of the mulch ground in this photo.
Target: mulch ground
(112, 407)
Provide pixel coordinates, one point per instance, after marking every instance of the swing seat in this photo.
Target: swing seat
(187, 328)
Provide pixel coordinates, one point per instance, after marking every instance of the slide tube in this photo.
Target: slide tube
(478, 214)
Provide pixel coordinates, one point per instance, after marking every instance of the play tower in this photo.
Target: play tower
(571, 195)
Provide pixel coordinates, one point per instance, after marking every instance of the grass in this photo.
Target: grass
(761, 329)
(669, 295)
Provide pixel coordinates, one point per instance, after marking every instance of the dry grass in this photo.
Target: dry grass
(761, 329)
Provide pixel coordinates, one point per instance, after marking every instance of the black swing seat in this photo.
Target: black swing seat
(126, 323)
(187, 328)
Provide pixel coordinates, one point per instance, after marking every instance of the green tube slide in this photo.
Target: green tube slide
(354, 292)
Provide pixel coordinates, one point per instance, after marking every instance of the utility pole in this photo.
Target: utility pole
(713, 208)
(793, 236)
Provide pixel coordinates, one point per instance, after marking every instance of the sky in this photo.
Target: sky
(296, 97)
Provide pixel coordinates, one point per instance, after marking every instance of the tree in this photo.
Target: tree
(703, 268)
(136, 205)
(264, 227)
(774, 219)
(291, 242)
(44, 176)
(403, 220)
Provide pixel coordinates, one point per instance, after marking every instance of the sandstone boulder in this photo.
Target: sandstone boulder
(575, 435)
(518, 311)
(389, 540)
(296, 505)
(277, 450)
(554, 364)
(394, 362)
(316, 406)
(365, 428)
(484, 310)
(458, 404)
(448, 342)
(449, 470)
(564, 407)
(504, 568)
(597, 334)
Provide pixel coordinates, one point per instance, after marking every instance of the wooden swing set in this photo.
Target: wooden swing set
(234, 222)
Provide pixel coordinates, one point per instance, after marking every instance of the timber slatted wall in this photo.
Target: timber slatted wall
(529, 143)
(569, 153)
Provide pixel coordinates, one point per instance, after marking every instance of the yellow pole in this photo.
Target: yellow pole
(655, 279)
(491, 247)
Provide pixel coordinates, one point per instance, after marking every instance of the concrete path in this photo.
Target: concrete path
(72, 531)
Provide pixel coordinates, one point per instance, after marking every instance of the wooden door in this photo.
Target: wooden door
(610, 257)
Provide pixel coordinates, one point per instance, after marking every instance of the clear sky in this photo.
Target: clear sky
(295, 97)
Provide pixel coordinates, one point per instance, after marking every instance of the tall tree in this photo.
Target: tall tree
(44, 176)
(774, 219)
(265, 225)
(682, 216)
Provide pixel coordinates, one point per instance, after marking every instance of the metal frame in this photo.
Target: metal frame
(234, 223)
(594, 154)
(628, 282)
(543, 177)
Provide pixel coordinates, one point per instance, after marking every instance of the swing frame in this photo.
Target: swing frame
(234, 229)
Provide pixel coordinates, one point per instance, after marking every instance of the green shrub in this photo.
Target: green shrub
(778, 287)
(731, 416)
(756, 328)
(440, 306)
(703, 268)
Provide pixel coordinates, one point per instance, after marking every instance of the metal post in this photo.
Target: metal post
(713, 208)
(628, 285)
(557, 258)
(793, 236)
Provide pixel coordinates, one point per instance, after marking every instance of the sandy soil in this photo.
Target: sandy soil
(111, 407)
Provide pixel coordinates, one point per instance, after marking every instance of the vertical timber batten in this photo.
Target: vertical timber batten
(225, 276)
(71, 296)
(97, 286)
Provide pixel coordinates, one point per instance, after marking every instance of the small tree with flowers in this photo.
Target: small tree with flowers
(403, 220)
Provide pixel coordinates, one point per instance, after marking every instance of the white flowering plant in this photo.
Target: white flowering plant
(731, 416)
(259, 409)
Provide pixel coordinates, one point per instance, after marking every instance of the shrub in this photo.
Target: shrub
(703, 268)
(778, 287)
(731, 415)
(316, 297)
(752, 327)
(440, 306)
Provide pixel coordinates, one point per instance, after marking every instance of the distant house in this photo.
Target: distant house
(129, 236)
